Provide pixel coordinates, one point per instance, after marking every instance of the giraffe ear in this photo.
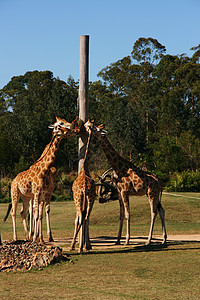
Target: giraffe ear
(91, 121)
(101, 126)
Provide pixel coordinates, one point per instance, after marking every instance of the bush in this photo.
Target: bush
(63, 190)
(187, 181)
(5, 184)
(22, 165)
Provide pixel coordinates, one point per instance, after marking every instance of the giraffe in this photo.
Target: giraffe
(133, 181)
(48, 188)
(84, 192)
(36, 183)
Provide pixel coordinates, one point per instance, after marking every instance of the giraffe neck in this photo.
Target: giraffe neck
(87, 155)
(48, 156)
(117, 162)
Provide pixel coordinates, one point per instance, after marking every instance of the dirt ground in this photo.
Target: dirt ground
(107, 242)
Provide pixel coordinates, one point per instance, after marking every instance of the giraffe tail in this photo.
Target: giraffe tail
(160, 196)
(84, 209)
(8, 211)
(10, 204)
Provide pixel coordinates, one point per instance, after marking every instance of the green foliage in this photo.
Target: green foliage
(63, 191)
(5, 184)
(33, 101)
(167, 155)
(22, 165)
(7, 149)
(190, 146)
(187, 181)
(164, 94)
(147, 50)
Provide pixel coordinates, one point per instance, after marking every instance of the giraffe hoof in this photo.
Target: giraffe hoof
(117, 243)
(30, 236)
(50, 239)
(88, 248)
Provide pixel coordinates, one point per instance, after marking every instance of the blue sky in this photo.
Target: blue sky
(45, 34)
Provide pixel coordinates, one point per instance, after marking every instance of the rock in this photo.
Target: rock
(23, 255)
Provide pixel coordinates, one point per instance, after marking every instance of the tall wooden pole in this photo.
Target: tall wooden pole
(83, 92)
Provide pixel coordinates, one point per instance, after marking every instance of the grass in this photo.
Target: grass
(155, 272)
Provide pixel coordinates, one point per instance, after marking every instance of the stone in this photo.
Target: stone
(26, 255)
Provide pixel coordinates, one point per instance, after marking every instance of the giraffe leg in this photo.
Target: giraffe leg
(41, 205)
(154, 212)
(13, 213)
(121, 220)
(87, 238)
(75, 232)
(162, 217)
(125, 200)
(90, 201)
(36, 216)
(79, 236)
(23, 214)
(47, 211)
(31, 226)
(82, 236)
(15, 199)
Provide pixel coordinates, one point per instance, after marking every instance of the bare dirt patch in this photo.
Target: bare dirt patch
(108, 242)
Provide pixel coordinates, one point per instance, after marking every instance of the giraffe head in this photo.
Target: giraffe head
(90, 126)
(62, 128)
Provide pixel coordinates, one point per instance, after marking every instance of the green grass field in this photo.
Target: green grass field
(155, 272)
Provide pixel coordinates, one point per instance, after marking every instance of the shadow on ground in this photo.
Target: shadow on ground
(106, 244)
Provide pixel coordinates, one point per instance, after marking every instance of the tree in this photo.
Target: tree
(34, 100)
(190, 146)
(168, 156)
(136, 82)
(7, 150)
(163, 91)
(147, 50)
(188, 75)
(122, 121)
(170, 105)
(117, 76)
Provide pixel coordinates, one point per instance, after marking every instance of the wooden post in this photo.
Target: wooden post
(83, 93)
